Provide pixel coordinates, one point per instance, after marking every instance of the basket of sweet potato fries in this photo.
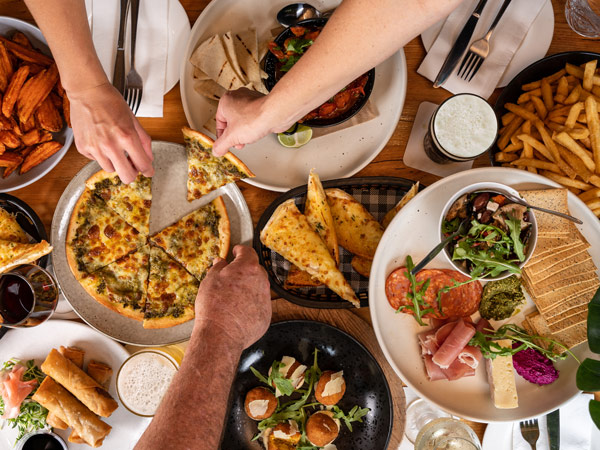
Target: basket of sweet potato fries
(34, 110)
(550, 123)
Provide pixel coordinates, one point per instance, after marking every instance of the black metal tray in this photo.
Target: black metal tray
(377, 194)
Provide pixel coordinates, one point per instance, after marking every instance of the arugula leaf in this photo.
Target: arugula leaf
(284, 385)
(298, 45)
(514, 226)
(260, 377)
(450, 226)
(593, 323)
(416, 292)
(354, 415)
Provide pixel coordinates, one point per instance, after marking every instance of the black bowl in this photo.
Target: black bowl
(27, 219)
(366, 384)
(536, 71)
(270, 69)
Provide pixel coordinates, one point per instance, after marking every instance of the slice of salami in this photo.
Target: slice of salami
(397, 287)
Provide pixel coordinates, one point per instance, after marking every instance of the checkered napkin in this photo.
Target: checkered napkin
(378, 199)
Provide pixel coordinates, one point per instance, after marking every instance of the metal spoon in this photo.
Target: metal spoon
(522, 202)
(462, 228)
(291, 14)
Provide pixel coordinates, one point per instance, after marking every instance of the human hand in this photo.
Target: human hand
(105, 128)
(236, 297)
(242, 118)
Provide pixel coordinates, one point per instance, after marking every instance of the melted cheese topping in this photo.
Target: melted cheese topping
(334, 385)
(258, 407)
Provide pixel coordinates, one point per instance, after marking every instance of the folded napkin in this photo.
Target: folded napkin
(151, 47)
(506, 39)
(575, 427)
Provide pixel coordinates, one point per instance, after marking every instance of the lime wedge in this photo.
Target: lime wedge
(298, 139)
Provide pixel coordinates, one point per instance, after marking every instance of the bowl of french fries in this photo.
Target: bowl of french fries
(550, 124)
(34, 109)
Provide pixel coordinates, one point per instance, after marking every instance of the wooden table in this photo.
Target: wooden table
(44, 195)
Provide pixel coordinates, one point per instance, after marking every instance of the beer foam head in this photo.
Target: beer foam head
(465, 126)
(143, 380)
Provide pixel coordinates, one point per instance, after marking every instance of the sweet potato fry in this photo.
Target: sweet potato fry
(6, 123)
(35, 91)
(40, 154)
(13, 89)
(10, 139)
(9, 159)
(2, 149)
(34, 69)
(26, 54)
(55, 99)
(67, 109)
(45, 136)
(29, 125)
(6, 69)
(9, 170)
(48, 117)
(26, 150)
(32, 137)
(21, 39)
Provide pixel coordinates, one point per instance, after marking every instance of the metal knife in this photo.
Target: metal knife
(119, 72)
(459, 46)
(553, 425)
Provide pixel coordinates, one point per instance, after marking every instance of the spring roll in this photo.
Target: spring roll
(73, 354)
(100, 372)
(55, 422)
(79, 383)
(75, 438)
(67, 408)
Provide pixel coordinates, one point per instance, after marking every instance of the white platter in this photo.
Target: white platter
(414, 232)
(35, 343)
(337, 155)
(16, 181)
(169, 204)
(534, 46)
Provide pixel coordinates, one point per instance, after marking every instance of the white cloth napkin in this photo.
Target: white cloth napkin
(506, 39)
(151, 47)
(575, 427)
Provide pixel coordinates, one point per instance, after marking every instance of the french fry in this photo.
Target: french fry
(574, 95)
(596, 212)
(505, 157)
(13, 89)
(506, 118)
(578, 72)
(591, 112)
(35, 91)
(39, 154)
(573, 114)
(48, 117)
(67, 109)
(576, 163)
(21, 39)
(6, 69)
(590, 195)
(524, 113)
(568, 142)
(535, 144)
(550, 79)
(578, 133)
(562, 111)
(594, 204)
(588, 74)
(551, 146)
(26, 54)
(540, 107)
(508, 132)
(562, 90)
(537, 164)
(566, 181)
(9, 159)
(547, 94)
(514, 147)
(10, 139)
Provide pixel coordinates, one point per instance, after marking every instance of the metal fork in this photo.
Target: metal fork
(134, 85)
(480, 49)
(530, 431)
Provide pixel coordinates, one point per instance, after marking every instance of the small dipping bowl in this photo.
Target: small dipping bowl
(41, 440)
(462, 128)
(500, 189)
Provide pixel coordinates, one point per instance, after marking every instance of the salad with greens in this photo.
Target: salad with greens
(496, 239)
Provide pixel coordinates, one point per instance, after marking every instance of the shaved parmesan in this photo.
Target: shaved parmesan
(297, 377)
(258, 407)
(279, 434)
(334, 385)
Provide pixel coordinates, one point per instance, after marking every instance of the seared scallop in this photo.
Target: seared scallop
(293, 371)
(260, 403)
(322, 428)
(330, 388)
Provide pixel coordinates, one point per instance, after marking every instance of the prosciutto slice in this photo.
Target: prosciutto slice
(454, 344)
(14, 391)
(471, 356)
(432, 339)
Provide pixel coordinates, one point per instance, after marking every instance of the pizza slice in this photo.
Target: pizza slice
(97, 236)
(198, 238)
(121, 286)
(289, 233)
(13, 254)
(130, 201)
(172, 292)
(10, 230)
(205, 171)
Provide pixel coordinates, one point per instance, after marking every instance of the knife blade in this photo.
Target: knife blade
(119, 71)
(460, 45)
(553, 425)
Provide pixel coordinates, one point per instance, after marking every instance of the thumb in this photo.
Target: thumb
(223, 143)
(218, 265)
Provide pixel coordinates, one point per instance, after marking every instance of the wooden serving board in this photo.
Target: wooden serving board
(362, 331)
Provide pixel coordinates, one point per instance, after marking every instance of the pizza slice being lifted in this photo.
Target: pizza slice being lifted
(198, 238)
(207, 172)
(130, 201)
(121, 286)
(97, 236)
(171, 292)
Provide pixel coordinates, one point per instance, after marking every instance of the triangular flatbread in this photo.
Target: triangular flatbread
(232, 55)
(205, 171)
(209, 89)
(288, 233)
(10, 230)
(198, 238)
(211, 58)
(13, 254)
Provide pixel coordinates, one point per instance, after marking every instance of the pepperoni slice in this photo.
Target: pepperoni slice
(396, 288)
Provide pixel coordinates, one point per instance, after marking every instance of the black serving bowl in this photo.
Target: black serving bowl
(27, 219)
(271, 65)
(536, 71)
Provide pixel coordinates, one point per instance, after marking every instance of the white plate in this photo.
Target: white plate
(169, 204)
(16, 181)
(337, 155)
(179, 33)
(534, 46)
(414, 231)
(35, 343)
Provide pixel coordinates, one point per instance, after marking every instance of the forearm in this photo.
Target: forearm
(65, 27)
(359, 35)
(192, 412)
